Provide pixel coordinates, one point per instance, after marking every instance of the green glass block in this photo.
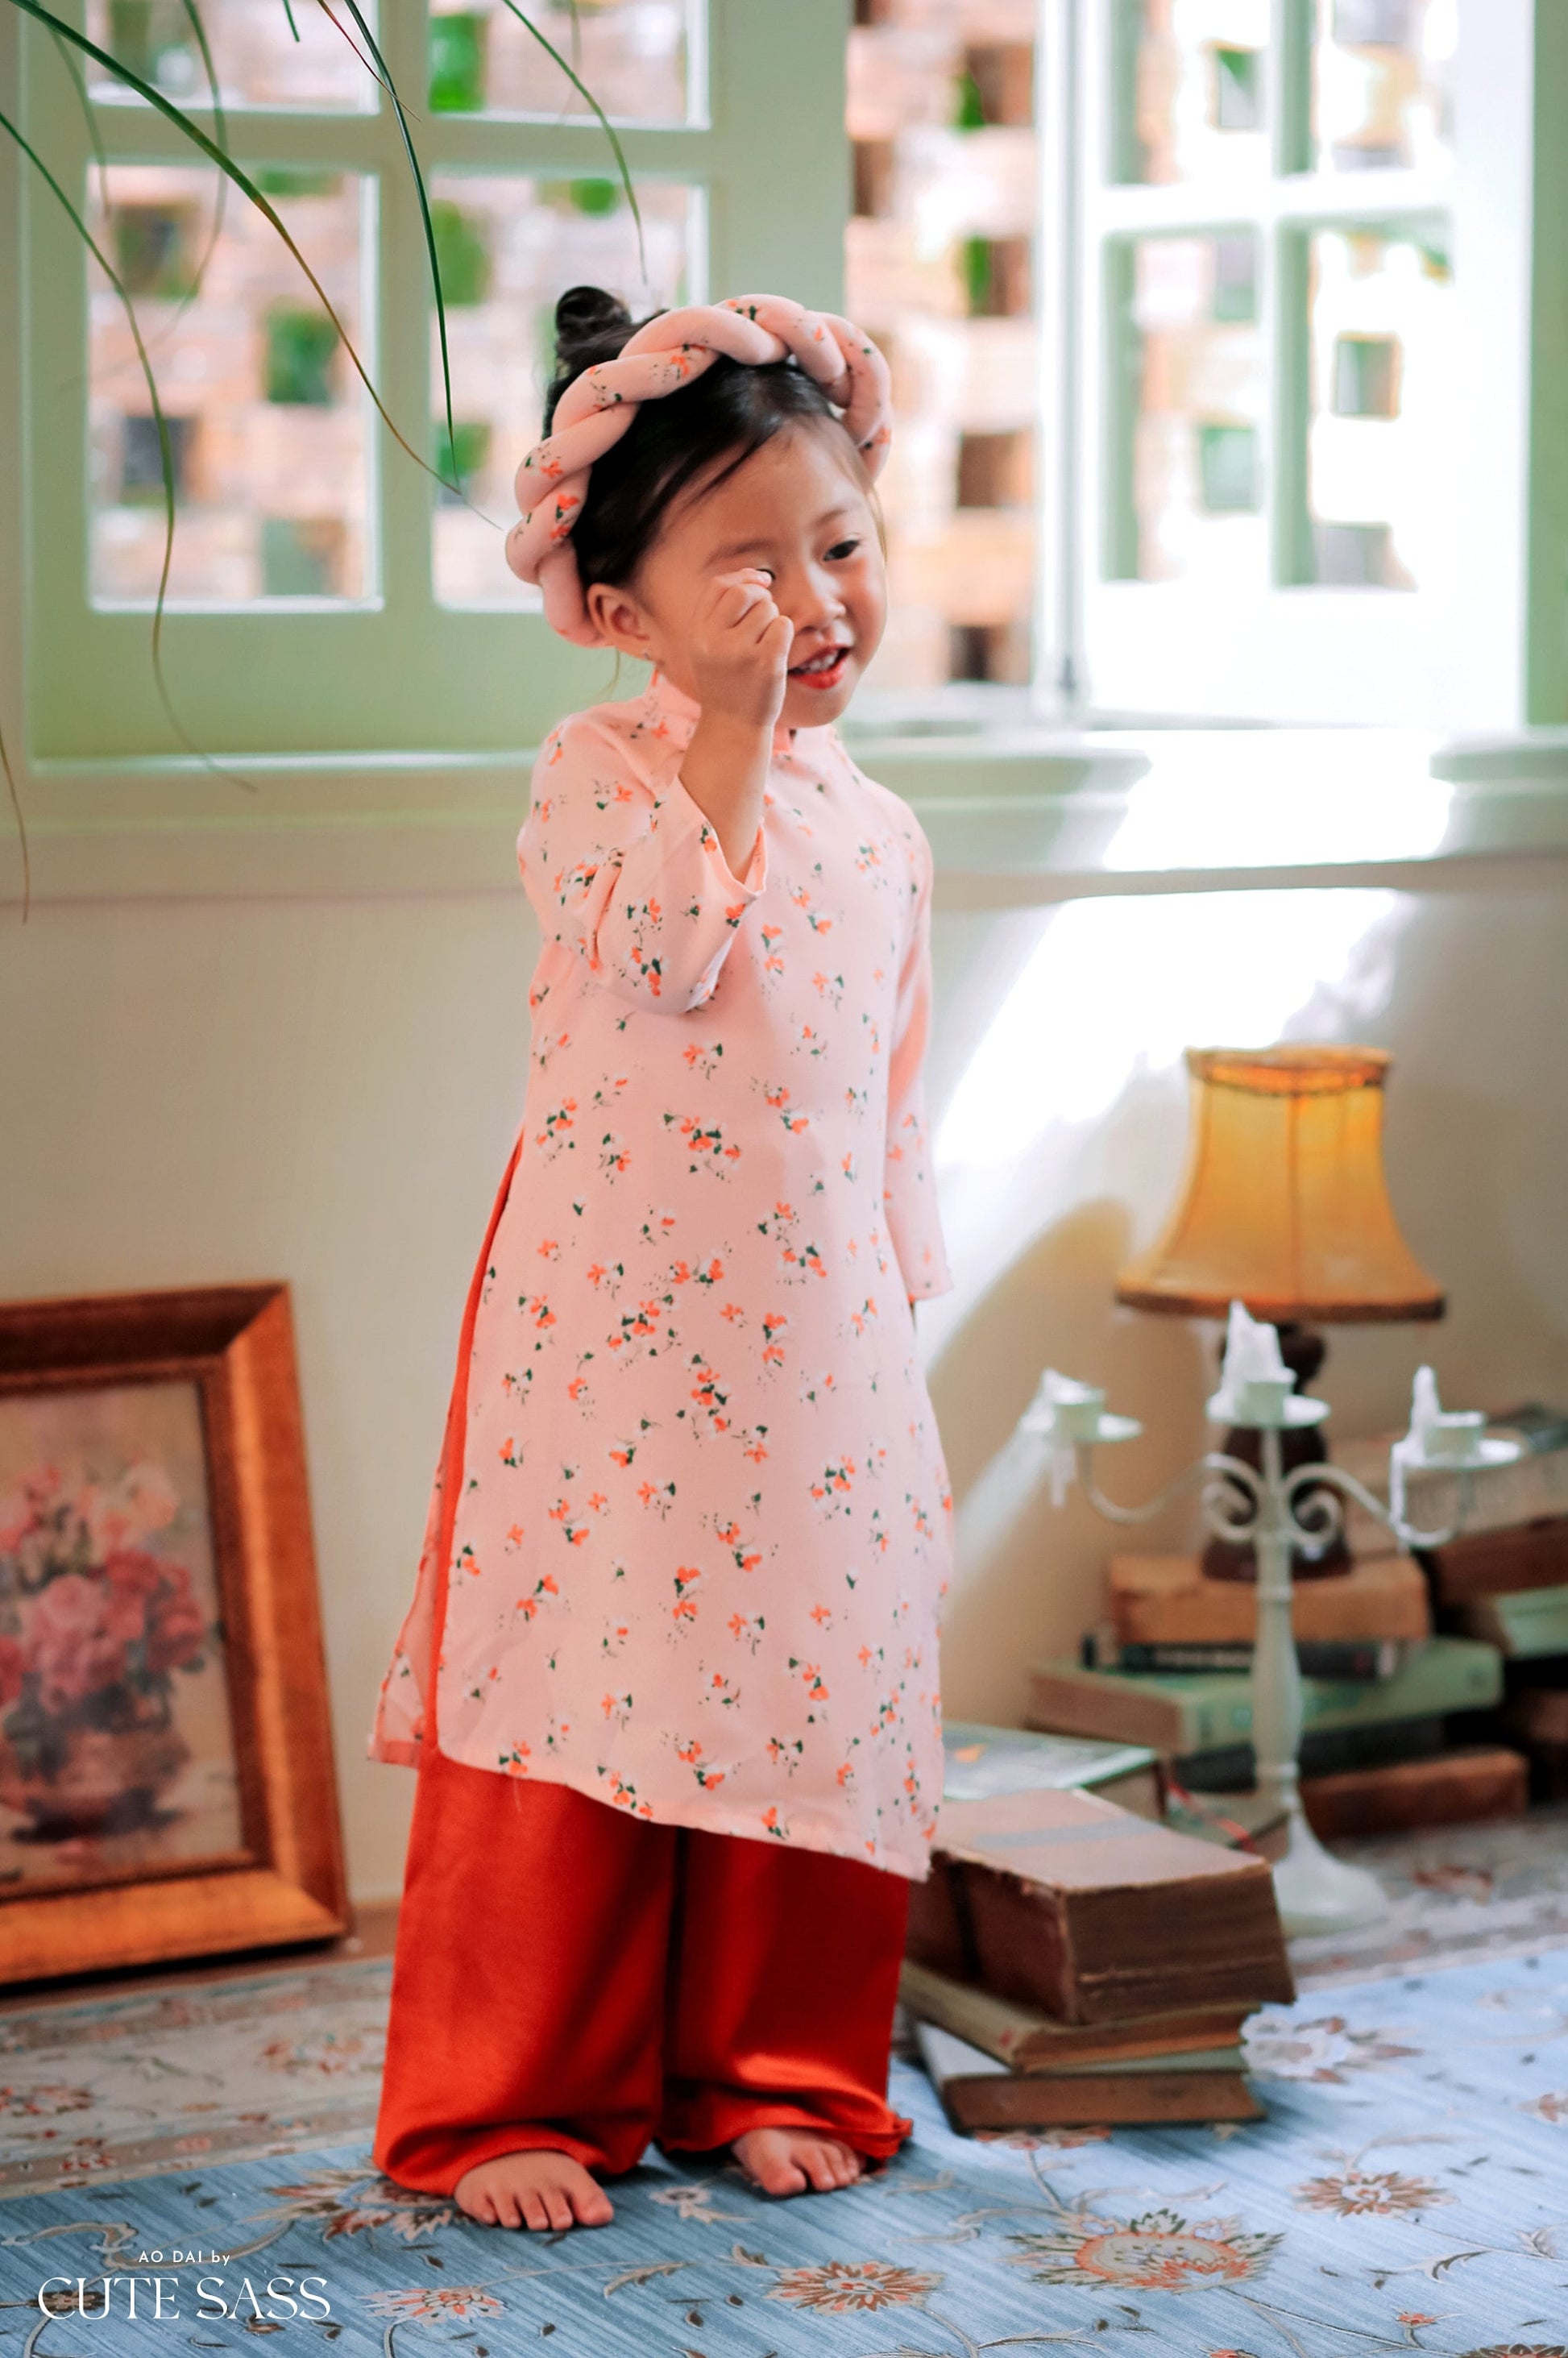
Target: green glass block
(462, 253)
(1356, 557)
(978, 262)
(458, 63)
(153, 249)
(460, 458)
(299, 560)
(1228, 467)
(300, 349)
(141, 459)
(968, 105)
(152, 38)
(1366, 376)
(1235, 279)
(595, 196)
(1238, 89)
(297, 180)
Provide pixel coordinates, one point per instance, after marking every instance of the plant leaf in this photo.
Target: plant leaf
(343, 30)
(246, 187)
(222, 130)
(605, 125)
(166, 454)
(358, 14)
(21, 830)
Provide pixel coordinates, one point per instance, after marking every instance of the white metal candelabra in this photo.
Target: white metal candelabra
(1277, 1512)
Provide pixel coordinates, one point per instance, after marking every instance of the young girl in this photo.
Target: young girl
(670, 1674)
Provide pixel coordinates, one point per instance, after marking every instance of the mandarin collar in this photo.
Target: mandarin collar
(674, 705)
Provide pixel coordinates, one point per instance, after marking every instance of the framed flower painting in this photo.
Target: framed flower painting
(166, 1785)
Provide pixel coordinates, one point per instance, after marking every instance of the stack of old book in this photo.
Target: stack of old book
(1384, 1698)
(1074, 1962)
(1505, 1579)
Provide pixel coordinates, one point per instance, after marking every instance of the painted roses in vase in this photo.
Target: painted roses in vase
(95, 1624)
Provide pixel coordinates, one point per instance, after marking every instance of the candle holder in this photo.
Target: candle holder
(1276, 1510)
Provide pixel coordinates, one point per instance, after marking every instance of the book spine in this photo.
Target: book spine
(1026, 2101)
(1216, 1709)
(1316, 1658)
(1525, 1626)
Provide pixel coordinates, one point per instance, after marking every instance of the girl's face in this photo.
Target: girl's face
(794, 512)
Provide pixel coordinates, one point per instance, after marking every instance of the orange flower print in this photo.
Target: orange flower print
(839, 2286)
(1160, 2251)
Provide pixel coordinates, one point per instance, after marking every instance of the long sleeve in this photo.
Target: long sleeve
(629, 874)
(909, 1191)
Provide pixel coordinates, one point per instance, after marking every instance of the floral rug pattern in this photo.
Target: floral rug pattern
(1456, 1894)
(125, 2087)
(1406, 2192)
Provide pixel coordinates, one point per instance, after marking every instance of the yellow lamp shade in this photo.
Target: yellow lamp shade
(1285, 1206)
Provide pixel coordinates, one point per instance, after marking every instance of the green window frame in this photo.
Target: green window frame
(399, 677)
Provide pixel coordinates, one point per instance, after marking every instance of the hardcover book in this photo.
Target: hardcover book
(1027, 2040)
(982, 1761)
(1164, 1600)
(1083, 1911)
(1209, 1710)
(977, 2093)
(1526, 1625)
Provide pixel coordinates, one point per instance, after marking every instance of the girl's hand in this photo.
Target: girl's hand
(739, 651)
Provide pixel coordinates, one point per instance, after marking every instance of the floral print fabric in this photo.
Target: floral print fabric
(703, 1524)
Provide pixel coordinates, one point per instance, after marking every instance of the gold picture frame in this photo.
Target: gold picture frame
(167, 1781)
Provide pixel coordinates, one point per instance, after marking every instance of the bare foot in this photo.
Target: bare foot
(791, 2161)
(543, 2190)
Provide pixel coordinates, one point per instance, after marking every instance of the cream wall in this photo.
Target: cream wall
(324, 1090)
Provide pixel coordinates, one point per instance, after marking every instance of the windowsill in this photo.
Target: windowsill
(1016, 814)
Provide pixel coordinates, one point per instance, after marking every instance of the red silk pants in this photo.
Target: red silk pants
(573, 1977)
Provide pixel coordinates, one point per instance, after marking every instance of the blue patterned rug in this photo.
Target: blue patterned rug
(1409, 2191)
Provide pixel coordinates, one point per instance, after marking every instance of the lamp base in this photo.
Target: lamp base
(1316, 1892)
(1304, 1352)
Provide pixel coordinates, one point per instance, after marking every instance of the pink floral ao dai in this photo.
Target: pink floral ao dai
(703, 1522)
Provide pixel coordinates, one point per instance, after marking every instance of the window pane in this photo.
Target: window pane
(940, 268)
(1380, 312)
(266, 417)
(1190, 504)
(639, 58)
(259, 61)
(1381, 92)
(1194, 95)
(508, 248)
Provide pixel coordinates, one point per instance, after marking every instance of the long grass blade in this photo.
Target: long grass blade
(343, 32)
(88, 117)
(605, 125)
(222, 129)
(166, 450)
(289, 13)
(100, 159)
(419, 189)
(247, 188)
(21, 830)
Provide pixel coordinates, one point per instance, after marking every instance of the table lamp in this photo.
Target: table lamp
(1285, 1208)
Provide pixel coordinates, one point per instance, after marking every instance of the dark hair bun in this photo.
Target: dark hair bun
(591, 325)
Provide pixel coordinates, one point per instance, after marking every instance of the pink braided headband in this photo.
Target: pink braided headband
(673, 350)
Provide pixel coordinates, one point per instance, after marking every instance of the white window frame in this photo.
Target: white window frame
(1477, 651)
